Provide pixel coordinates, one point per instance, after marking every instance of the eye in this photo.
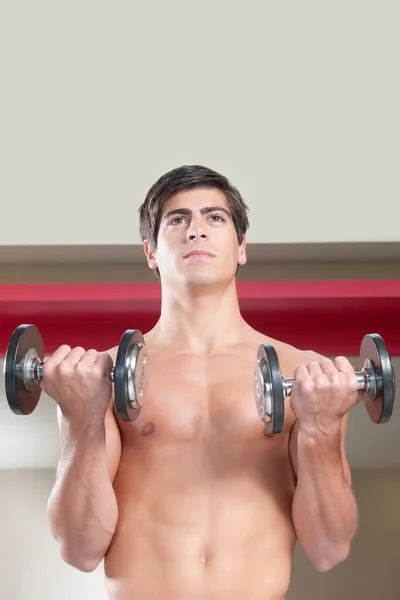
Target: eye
(176, 221)
(217, 217)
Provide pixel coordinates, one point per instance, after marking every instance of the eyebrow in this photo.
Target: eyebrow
(204, 211)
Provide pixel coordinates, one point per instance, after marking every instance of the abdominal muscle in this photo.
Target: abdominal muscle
(193, 525)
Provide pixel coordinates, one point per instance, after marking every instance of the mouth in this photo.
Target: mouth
(198, 254)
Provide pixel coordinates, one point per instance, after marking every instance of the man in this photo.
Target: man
(192, 500)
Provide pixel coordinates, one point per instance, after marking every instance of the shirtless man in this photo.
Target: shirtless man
(193, 500)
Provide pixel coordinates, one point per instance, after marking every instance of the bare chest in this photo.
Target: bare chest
(193, 398)
(199, 433)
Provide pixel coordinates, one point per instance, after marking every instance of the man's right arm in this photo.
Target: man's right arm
(82, 507)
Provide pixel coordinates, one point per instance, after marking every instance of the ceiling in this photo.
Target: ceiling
(31, 442)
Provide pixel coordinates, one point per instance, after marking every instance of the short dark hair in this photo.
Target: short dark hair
(183, 178)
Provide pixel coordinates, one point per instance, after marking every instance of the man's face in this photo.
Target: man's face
(197, 241)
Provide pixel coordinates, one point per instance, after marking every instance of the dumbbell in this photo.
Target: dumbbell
(23, 371)
(376, 378)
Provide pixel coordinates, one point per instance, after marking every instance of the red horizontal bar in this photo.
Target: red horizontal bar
(249, 289)
(330, 317)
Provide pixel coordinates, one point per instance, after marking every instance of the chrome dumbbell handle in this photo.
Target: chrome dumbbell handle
(367, 380)
(30, 369)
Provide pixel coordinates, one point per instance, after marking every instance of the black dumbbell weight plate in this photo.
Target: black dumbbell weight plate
(268, 389)
(373, 348)
(129, 375)
(25, 343)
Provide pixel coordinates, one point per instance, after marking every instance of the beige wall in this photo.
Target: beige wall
(31, 568)
(297, 102)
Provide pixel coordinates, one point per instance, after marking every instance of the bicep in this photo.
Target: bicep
(113, 440)
(293, 436)
(113, 444)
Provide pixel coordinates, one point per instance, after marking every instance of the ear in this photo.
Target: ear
(242, 256)
(150, 255)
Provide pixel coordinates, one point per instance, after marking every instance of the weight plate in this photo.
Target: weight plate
(379, 408)
(25, 341)
(129, 375)
(268, 389)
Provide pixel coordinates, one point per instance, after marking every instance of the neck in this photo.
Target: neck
(199, 319)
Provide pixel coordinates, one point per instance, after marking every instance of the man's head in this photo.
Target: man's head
(194, 208)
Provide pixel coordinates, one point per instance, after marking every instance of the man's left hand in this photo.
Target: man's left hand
(323, 392)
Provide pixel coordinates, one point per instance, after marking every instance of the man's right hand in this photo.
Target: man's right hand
(79, 382)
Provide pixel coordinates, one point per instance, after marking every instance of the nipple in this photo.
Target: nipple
(203, 559)
(148, 428)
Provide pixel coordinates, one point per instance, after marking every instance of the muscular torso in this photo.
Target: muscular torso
(204, 496)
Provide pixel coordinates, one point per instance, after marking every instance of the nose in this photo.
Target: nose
(194, 236)
(196, 230)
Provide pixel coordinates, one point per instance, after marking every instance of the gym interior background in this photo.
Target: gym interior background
(297, 103)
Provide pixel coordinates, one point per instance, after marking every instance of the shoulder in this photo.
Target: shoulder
(290, 357)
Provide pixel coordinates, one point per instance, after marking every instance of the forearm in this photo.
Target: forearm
(324, 507)
(82, 507)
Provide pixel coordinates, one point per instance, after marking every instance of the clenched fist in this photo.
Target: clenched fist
(323, 392)
(79, 382)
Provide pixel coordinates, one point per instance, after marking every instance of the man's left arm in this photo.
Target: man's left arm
(324, 508)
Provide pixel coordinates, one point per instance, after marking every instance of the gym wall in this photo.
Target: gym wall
(297, 103)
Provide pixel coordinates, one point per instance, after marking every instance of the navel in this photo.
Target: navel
(203, 559)
(148, 428)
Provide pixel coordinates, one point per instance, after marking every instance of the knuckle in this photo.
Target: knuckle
(78, 350)
(48, 367)
(312, 363)
(341, 358)
(307, 385)
(66, 347)
(81, 367)
(64, 368)
(334, 379)
(342, 362)
(105, 359)
(300, 374)
(51, 368)
(321, 381)
(95, 371)
(351, 382)
(327, 361)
